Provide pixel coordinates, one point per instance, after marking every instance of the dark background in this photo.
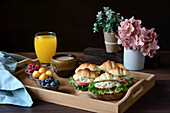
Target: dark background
(72, 21)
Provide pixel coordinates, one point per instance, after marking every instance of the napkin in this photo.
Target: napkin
(12, 91)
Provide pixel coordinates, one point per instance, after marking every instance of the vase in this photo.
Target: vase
(111, 42)
(133, 60)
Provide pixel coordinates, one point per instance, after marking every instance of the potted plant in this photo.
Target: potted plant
(137, 41)
(109, 21)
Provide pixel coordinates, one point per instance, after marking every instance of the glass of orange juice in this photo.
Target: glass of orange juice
(45, 44)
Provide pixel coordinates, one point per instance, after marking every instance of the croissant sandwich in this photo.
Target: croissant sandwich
(109, 85)
(81, 79)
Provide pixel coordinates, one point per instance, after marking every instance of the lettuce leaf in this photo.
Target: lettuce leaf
(123, 87)
(77, 86)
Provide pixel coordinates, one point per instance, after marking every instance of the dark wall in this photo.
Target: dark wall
(72, 20)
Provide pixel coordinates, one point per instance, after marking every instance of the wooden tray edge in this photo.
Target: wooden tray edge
(71, 100)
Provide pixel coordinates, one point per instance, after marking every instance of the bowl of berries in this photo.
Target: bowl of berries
(30, 69)
(50, 83)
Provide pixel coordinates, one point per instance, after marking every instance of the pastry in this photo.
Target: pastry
(117, 71)
(106, 66)
(92, 67)
(81, 79)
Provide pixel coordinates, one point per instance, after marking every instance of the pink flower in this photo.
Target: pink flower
(129, 27)
(132, 34)
(151, 35)
(145, 50)
(142, 35)
(150, 48)
(128, 33)
(153, 45)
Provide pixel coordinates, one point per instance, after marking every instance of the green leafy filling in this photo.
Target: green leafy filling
(123, 87)
(77, 86)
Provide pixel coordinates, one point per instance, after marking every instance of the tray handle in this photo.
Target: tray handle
(22, 65)
(133, 92)
(136, 91)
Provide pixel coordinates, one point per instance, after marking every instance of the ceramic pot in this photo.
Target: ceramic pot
(133, 60)
(111, 42)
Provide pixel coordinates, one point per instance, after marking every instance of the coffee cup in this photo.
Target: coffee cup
(64, 65)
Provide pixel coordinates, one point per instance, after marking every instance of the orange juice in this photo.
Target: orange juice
(45, 47)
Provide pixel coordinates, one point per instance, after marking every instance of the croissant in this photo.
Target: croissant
(106, 77)
(120, 65)
(91, 67)
(85, 73)
(106, 66)
(117, 71)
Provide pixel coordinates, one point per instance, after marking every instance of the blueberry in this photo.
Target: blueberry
(42, 83)
(43, 80)
(46, 80)
(51, 79)
(47, 85)
(52, 84)
(57, 82)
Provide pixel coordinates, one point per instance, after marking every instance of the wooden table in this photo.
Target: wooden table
(157, 100)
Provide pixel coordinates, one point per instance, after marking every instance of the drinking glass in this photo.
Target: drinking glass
(45, 44)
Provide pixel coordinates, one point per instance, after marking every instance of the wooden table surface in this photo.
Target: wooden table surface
(156, 100)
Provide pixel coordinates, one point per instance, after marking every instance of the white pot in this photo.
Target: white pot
(133, 60)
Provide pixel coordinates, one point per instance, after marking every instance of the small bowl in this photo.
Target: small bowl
(37, 81)
(27, 73)
(52, 88)
(30, 76)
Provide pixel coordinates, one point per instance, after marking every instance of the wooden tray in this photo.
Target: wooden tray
(66, 94)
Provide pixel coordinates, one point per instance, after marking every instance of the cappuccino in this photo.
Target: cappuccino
(62, 58)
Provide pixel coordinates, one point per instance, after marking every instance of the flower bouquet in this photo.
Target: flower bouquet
(136, 38)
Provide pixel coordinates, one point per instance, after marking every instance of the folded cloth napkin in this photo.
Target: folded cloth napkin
(12, 91)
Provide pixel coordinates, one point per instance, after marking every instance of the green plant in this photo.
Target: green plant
(108, 20)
